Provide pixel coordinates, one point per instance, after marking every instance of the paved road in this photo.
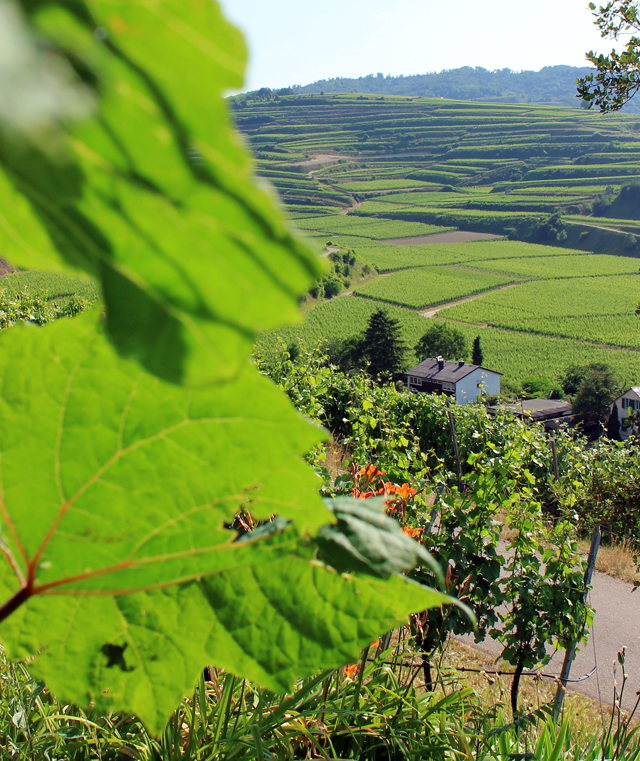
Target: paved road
(616, 624)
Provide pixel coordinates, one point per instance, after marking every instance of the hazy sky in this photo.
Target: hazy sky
(300, 41)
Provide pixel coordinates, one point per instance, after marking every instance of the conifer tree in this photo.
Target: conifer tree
(476, 357)
(613, 425)
(384, 348)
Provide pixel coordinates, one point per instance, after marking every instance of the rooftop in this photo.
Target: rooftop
(451, 372)
(536, 409)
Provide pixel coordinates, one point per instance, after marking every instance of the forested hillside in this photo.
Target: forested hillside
(552, 85)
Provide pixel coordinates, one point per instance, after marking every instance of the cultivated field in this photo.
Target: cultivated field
(545, 178)
(427, 286)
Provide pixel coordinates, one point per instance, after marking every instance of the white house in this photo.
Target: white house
(456, 379)
(627, 404)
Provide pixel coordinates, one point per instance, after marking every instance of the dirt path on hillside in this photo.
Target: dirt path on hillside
(454, 236)
(355, 205)
(601, 227)
(320, 158)
(432, 312)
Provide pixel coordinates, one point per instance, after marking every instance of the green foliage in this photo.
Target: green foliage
(366, 539)
(519, 355)
(613, 424)
(162, 227)
(508, 473)
(618, 74)
(389, 258)
(597, 390)
(22, 306)
(383, 345)
(441, 339)
(124, 471)
(552, 85)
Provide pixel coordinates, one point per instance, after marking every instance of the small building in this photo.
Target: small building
(552, 412)
(456, 379)
(627, 404)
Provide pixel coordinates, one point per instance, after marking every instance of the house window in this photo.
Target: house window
(415, 381)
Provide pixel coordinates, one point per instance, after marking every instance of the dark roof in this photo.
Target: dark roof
(452, 372)
(536, 409)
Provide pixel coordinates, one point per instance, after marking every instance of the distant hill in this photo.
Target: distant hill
(553, 85)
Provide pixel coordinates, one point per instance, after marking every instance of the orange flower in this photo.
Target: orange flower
(414, 533)
(351, 671)
(370, 472)
(375, 644)
(405, 492)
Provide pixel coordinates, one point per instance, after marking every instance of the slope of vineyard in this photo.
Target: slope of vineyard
(362, 173)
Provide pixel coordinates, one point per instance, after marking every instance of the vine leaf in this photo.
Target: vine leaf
(118, 569)
(154, 194)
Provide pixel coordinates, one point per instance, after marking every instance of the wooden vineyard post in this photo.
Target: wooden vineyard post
(455, 444)
(554, 452)
(571, 653)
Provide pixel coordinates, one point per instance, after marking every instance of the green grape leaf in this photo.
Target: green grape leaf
(366, 540)
(154, 193)
(276, 617)
(117, 569)
(113, 479)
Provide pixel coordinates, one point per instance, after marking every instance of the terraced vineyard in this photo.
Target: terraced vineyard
(427, 286)
(598, 309)
(357, 171)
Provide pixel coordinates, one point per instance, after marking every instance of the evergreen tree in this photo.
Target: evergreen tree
(476, 356)
(613, 425)
(384, 348)
(442, 340)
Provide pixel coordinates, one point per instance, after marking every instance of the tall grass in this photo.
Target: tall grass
(375, 710)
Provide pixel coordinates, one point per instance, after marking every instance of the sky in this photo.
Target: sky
(300, 41)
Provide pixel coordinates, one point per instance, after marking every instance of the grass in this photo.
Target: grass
(374, 711)
(617, 560)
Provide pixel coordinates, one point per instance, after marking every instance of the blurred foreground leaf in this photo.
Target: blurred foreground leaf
(154, 194)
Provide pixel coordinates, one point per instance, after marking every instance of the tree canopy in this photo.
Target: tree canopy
(442, 340)
(597, 390)
(618, 74)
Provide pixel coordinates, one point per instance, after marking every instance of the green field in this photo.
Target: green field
(542, 177)
(517, 355)
(599, 309)
(586, 265)
(387, 258)
(427, 286)
(367, 227)
(50, 285)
